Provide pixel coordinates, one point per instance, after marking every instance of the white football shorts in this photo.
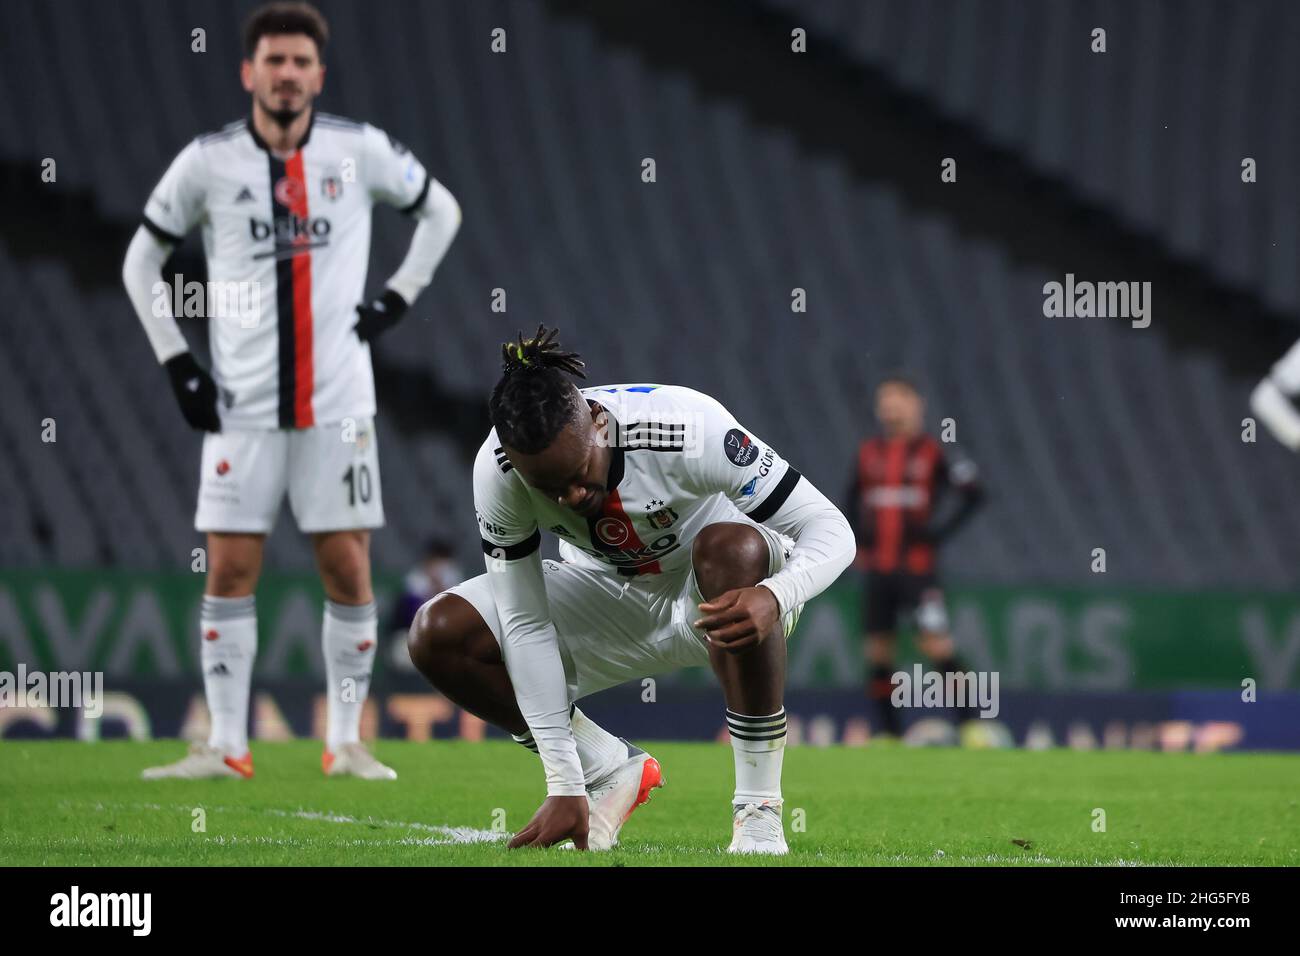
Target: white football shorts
(331, 473)
(613, 628)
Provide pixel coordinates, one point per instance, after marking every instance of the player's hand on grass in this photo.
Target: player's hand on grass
(558, 818)
(739, 619)
(379, 316)
(195, 391)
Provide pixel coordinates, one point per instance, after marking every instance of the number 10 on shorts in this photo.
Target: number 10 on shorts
(357, 478)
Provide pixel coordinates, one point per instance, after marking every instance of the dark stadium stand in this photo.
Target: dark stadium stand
(688, 279)
(1154, 130)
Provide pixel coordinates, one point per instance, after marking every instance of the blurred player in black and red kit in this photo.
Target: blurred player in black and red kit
(900, 479)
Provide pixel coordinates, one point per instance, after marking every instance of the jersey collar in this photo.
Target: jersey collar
(616, 463)
(265, 147)
(615, 468)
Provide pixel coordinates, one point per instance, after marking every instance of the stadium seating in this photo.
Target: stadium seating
(684, 280)
(1154, 130)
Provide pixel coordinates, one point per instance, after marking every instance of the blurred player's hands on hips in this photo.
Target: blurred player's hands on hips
(558, 818)
(739, 619)
(195, 391)
(379, 316)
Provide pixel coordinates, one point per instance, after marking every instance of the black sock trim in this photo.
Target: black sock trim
(775, 735)
(745, 727)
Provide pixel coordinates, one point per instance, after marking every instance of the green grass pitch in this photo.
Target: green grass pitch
(70, 803)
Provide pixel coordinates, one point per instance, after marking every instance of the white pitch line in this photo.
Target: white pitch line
(449, 835)
(452, 835)
(1005, 860)
(441, 835)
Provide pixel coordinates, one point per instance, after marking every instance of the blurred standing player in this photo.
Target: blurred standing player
(284, 200)
(900, 477)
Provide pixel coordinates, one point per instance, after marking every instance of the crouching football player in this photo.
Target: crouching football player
(686, 540)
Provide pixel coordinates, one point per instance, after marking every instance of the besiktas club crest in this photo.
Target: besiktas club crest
(660, 516)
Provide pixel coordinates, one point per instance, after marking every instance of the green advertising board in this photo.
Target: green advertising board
(142, 625)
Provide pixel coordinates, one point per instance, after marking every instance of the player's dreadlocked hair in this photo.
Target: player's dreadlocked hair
(534, 399)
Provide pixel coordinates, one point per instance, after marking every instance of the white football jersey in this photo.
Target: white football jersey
(295, 234)
(680, 461)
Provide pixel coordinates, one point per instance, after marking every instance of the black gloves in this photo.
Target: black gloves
(379, 316)
(195, 391)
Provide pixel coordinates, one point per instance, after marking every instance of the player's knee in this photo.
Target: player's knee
(428, 632)
(727, 555)
(231, 577)
(437, 634)
(346, 576)
(348, 588)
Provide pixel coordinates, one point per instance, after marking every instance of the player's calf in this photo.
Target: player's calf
(747, 653)
(741, 622)
(452, 646)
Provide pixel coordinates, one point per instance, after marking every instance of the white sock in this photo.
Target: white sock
(227, 647)
(348, 640)
(758, 744)
(599, 751)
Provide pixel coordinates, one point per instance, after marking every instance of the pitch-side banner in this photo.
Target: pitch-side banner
(143, 625)
(406, 709)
